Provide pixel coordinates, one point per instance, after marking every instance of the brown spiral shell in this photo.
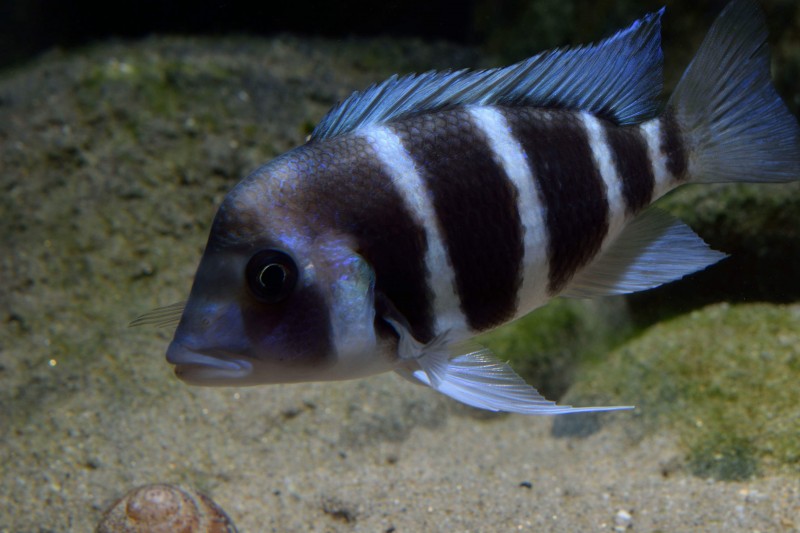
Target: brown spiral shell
(162, 508)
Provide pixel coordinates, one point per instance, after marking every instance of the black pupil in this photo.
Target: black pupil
(272, 278)
(271, 275)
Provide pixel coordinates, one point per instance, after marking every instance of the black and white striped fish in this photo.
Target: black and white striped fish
(430, 208)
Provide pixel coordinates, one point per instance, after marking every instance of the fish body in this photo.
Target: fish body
(431, 208)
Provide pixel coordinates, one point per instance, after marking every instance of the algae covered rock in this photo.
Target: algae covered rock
(757, 225)
(547, 346)
(724, 378)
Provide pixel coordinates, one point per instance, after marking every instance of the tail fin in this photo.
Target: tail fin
(735, 125)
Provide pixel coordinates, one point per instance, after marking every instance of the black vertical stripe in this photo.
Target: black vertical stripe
(672, 145)
(629, 152)
(476, 208)
(573, 193)
(348, 192)
(306, 309)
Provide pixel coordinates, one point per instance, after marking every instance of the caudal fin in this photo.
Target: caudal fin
(734, 124)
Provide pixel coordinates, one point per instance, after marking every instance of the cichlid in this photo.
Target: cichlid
(430, 208)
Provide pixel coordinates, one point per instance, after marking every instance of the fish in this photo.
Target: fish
(430, 208)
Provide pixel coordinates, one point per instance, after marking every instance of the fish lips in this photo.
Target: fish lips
(207, 367)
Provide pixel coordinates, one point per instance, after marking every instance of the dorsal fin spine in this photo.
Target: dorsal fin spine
(618, 78)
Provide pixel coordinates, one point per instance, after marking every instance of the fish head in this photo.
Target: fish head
(276, 301)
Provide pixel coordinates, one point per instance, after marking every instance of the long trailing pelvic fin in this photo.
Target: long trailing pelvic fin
(479, 379)
(473, 376)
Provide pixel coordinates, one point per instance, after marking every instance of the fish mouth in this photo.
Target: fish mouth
(209, 367)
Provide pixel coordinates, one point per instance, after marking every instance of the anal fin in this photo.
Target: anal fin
(653, 249)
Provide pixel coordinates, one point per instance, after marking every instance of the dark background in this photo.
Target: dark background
(510, 29)
(518, 27)
(31, 26)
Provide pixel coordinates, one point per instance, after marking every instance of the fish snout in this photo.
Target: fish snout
(207, 367)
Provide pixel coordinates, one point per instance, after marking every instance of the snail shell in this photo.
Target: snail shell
(162, 508)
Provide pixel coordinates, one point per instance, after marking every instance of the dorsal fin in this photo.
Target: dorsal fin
(618, 78)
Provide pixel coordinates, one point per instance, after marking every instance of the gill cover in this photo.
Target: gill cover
(278, 311)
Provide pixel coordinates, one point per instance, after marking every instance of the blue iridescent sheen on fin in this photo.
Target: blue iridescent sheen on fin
(618, 78)
(733, 119)
(655, 248)
(479, 379)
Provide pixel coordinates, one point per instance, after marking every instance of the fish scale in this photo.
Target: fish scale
(385, 228)
(475, 207)
(509, 154)
(630, 153)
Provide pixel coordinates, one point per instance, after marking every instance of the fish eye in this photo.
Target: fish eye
(271, 275)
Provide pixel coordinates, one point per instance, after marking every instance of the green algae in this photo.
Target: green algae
(546, 346)
(723, 378)
(161, 85)
(724, 456)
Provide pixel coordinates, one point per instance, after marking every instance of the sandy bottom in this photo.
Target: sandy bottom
(374, 455)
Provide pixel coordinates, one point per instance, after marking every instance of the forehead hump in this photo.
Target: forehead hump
(253, 212)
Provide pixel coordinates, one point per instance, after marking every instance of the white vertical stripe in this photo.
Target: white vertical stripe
(604, 160)
(510, 155)
(665, 181)
(441, 279)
